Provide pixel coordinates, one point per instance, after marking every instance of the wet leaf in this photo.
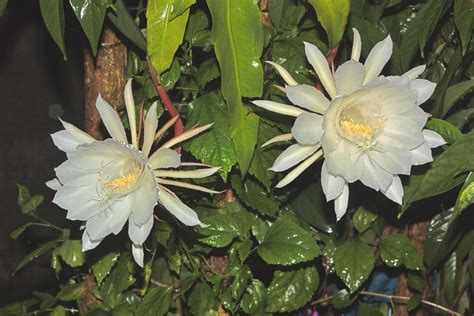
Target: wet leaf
(32, 204)
(221, 231)
(465, 197)
(102, 268)
(156, 302)
(71, 252)
(36, 253)
(363, 218)
(397, 250)
(448, 131)
(254, 299)
(71, 292)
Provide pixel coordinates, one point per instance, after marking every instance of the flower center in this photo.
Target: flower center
(359, 126)
(121, 177)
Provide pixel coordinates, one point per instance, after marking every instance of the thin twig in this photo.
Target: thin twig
(140, 125)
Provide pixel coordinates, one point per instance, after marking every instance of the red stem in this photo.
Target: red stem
(168, 104)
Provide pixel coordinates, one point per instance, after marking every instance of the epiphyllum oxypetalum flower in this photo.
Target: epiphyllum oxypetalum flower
(106, 183)
(371, 128)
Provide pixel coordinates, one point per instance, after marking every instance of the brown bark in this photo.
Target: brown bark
(107, 74)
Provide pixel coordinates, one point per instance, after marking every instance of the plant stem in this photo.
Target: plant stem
(46, 223)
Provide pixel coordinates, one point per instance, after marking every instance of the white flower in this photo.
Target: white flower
(106, 183)
(371, 128)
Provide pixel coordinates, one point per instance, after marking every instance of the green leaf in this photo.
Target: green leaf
(71, 252)
(91, 14)
(201, 300)
(460, 118)
(353, 261)
(448, 131)
(171, 76)
(124, 22)
(197, 32)
(3, 6)
(32, 204)
(254, 299)
(119, 280)
(53, 16)
(71, 292)
(36, 253)
(363, 218)
(333, 17)
(368, 309)
(208, 71)
(102, 268)
(291, 290)
(253, 195)
(221, 231)
(59, 310)
(179, 7)
(397, 250)
(465, 197)
(286, 243)
(275, 10)
(23, 195)
(215, 146)
(164, 32)
(343, 299)
(414, 302)
(456, 92)
(242, 279)
(156, 302)
(17, 232)
(463, 19)
(447, 172)
(238, 43)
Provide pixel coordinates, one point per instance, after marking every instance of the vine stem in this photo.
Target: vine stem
(168, 104)
(391, 298)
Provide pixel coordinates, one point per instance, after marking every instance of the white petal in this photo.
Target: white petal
(395, 191)
(138, 234)
(177, 208)
(187, 186)
(378, 57)
(146, 198)
(401, 132)
(192, 174)
(54, 184)
(433, 139)
(137, 252)
(414, 73)
(340, 161)
(186, 135)
(332, 185)
(81, 202)
(394, 161)
(341, 202)
(121, 211)
(320, 65)
(97, 227)
(331, 137)
(87, 243)
(130, 106)
(65, 141)
(421, 155)
(308, 128)
(81, 136)
(151, 124)
(307, 97)
(279, 138)
(111, 119)
(356, 45)
(374, 176)
(424, 88)
(283, 73)
(164, 158)
(418, 115)
(298, 170)
(349, 77)
(280, 108)
(292, 156)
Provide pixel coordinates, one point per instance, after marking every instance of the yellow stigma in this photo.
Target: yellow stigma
(123, 184)
(358, 129)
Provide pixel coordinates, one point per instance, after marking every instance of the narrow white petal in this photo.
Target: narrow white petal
(356, 45)
(164, 158)
(121, 210)
(151, 123)
(307, 97)
(279, 138)
(130, 106)
(137, 252)
(424, 88)
(283, 73)
(421, 155)
(293, 174)
(177, 208)
(146, 197)
(349, 77)
(186, 135)
(87, 243)
(139, 233)
(418, 115)
(81, 136)
(378, 57)
(414, 73)
(65, 141)
(97, 227)
(292, 156)
(308, 128)
(280, 108)
(332, 185)
(374, 176)
(54, 184)
(341, 202)
(111, 119)
(433, 139)
(320, 65)
(394, 161)
(187, 186)
(193, 174)
(395, 191)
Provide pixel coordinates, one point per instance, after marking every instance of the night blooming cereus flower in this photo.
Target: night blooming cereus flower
(371, 128)
(106, 183)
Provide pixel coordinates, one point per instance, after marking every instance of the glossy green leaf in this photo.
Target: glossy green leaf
(17, 232)
(253, 195)
(213, 147)
(363, 218)
(91, 14)
(354, 261)
(201, 299)
(242, 279)
(71, 292)
(286, 243)
(397, 250)
(156, 302)
(456, 92)
(290, 290)
(164, 33)
(447, 171)
(102, 268)
(275, 10)
(71, 252)
(32, 204)
(197, 32)
(53, 16)
(448, 131)
(238, 42)
(221, 231)
(36, 253)
(254, 299)
(23, 195)
(463, 18)
(123, 21)
(343, 299)
(465, 197)
(461, 118)
(208, 71)
(119, 280)
(333, 17)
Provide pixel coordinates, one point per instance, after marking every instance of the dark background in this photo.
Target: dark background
(36, 85)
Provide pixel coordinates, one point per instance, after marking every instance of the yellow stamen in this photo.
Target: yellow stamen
(122, 184)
